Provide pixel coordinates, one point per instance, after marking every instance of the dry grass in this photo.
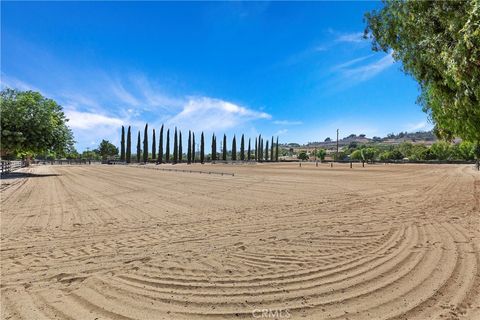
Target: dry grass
(112, 242)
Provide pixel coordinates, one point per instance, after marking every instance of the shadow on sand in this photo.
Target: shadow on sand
(18, 175)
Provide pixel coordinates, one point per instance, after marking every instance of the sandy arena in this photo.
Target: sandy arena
(272, 242)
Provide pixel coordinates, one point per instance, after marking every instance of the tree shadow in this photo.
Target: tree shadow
(18, 175)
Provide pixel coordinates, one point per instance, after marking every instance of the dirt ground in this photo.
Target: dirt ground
(271, 242)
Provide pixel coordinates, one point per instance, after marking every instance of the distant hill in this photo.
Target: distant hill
(420, 137)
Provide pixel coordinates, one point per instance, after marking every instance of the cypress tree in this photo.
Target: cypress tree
(202, 149)
(193, 147)
(224, 155)
(260, 148)
(234, 149)
(189, 150)
(139, 150)
(154, 146)
(249, 153)
(214, 146)
(160, 146)
(242, 149)
(175, 147)
(145, 144)
(128, 154)
(256, 149)
(180, 150)
(122, 145)
(215, 151)
(266, 151)
(276, 151)
(167, 147)
(272, 158)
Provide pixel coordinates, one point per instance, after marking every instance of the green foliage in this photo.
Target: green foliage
(160, 146)
(175, 147)
(189, 147)
(224, 151)
(406, 148)
(441, 150)
(139, 149)
(128, 152)
(321, 153)
(272, 149)
(276, 151)
(193, 147)
(419, 152)
(90, 155)
(356, 155)
(154, 146)
(122, 145)
(303, 155)
(465, 150)
(353, 145)
(438, 43)
(145, 144)
(266, 151)
(368, 154)
(107, 149)
(180, 150)
(234, 148)
(31, 123)
(260, 148)
(214, 147)
(391, 155)
(242, 148)
(249, 151)
(72, 153)
(202, 148)
(167, 147)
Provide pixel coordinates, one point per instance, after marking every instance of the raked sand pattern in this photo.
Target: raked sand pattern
(273, 241)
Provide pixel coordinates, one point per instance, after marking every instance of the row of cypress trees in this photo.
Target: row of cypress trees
(261, 151)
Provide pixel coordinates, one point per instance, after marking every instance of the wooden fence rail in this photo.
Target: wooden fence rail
(187, 171)
(9, 166)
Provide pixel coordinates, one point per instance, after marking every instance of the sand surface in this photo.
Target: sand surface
(272, 242)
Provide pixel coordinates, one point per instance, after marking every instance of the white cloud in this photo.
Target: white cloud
(370, 70)
(280, 132)
(422, 125)
(99, 108)
(14, 83)
(205, 113)
(355, 37)
(287, 122)
(351, 62)
(354, 71)
(154, 95)
(121, 93)
(86, 120)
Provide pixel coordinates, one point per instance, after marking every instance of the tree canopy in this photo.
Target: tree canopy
(32, 124)
(107, 149)
(438, 43)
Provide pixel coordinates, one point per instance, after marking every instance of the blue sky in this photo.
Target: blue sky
(297, 70)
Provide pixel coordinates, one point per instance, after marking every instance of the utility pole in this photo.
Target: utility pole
(336, 156)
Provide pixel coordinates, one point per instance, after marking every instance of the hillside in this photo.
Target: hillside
(420, 137)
